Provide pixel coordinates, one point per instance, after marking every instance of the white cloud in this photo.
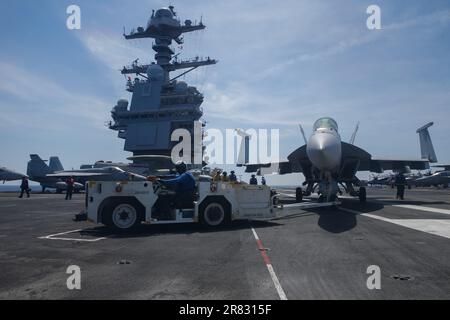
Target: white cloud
(346, 42)
(258, 44)
(112, 49)
(41, 101)
(240, 103)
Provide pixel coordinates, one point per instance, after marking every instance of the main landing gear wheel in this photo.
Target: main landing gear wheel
(362, 195)
(298, 195)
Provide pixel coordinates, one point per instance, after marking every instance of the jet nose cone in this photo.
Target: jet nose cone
(324, 150)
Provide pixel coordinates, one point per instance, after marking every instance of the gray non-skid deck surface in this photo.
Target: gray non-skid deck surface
(320, 254)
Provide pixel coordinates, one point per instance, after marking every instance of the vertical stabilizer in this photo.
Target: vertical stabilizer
(426, 145)
(37, 167)
(303, 134)
(353, 137)
(55, 165)
(244, 149)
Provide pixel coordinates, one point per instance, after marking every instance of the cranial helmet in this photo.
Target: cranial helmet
(181, 167)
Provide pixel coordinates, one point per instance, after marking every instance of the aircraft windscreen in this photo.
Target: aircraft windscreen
(325, 123)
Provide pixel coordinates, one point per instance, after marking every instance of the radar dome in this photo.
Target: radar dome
(163, 16)
(122, 105)
(181, 86)
(155, 72)
(164, 13)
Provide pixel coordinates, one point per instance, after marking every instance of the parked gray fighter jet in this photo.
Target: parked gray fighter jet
(327, 162)
(389, 180)
(426, 147)
(38, 171)
(9, 175)
(144, 165)
(52, 176)
(441, 178)
(382, 180)
(444, 167)
(93, 174)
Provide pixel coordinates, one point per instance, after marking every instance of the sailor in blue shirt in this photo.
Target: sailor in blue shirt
(184, 187)
(184, 183)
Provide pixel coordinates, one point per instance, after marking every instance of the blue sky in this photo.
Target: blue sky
(280, 64)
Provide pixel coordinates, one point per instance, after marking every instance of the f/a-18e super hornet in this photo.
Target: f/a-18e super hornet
(9, 175)
(389, 180)
(427, 149)
(144, 165)
(108, 173)
(38, 171)
(382, 180)
(440, 178)
(327, 162)
(53, 175)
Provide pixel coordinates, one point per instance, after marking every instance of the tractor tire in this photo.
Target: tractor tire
(215, 215)
(122, 216)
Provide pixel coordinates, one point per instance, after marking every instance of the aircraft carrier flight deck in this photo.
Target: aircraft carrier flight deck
(254, 154)
(318, 254)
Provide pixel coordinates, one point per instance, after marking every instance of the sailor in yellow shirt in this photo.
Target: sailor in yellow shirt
(217, 177)
(225, 177)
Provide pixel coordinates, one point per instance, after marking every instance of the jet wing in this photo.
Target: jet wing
(77, 174)
(268, 168)
(380, 165)
(153, 161)
(297, 162)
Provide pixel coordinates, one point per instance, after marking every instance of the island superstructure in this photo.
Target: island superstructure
(160, 104)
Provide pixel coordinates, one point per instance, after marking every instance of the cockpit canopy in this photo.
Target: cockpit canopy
(325, 122)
